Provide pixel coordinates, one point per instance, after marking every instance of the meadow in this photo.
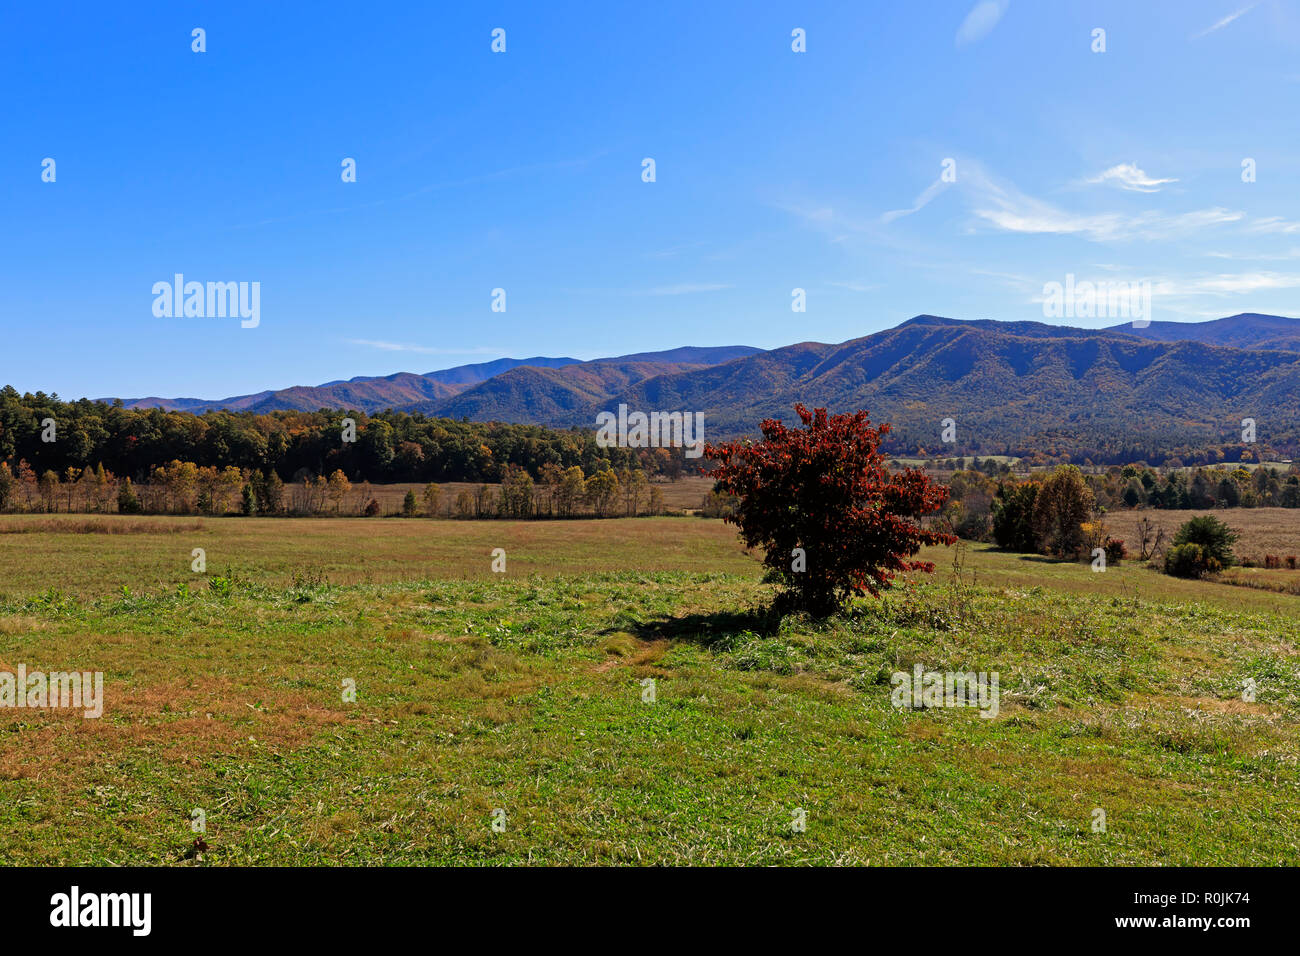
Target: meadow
(1262, 530)
(524, 692)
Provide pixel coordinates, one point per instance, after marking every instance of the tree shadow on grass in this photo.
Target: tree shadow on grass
(705, 629)
(1023, 556)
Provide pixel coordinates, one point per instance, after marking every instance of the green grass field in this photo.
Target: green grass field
(522, 691)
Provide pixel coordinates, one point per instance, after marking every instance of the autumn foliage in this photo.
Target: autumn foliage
(826, 488)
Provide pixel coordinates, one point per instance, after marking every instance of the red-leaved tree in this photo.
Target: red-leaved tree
(826, 489)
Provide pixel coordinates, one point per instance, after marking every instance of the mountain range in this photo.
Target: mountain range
(1249, 330)
(1016, 388)
(406, 390)
(1011, 387)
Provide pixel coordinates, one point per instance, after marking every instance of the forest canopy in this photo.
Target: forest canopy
(388, 447)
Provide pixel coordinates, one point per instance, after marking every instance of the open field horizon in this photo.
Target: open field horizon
(99, 556)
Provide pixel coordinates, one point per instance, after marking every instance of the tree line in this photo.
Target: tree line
(53, 436)
(1062, 512)
(181, 487)
(973, 491)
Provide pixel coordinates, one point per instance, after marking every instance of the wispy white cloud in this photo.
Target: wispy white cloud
(1039, 217)
(1006, 208)
(1288, 256)
(1275, 224)
(920, 202)
(1192, 296)
(1131, 177)
(1219, 25)
(845, 225)
(995, 203)
(1224, 284)
(981, 20)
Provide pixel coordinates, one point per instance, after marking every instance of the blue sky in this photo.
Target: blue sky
(522, 170)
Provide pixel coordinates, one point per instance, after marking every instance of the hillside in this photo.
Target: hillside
(1248, 330)
(1017, 388)
(526, 395)
(364, 393)
(1013, 388)
(1032, 389)
(413, 392)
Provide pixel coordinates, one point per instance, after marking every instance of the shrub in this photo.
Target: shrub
(718, 504)
(1272, 562)
(409, 504)
(222, 586)
(1061, 507)
(973, 527)
(1214, 537)
(1115, 550)
(1291, 562)
(1189, 561)
(127, 502)
(270, 497)
(826, 489)
(372, 508)
(1013, 511)
(516, 497)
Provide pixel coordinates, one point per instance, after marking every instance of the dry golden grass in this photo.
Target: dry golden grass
(105, 524)
(1263, 530)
